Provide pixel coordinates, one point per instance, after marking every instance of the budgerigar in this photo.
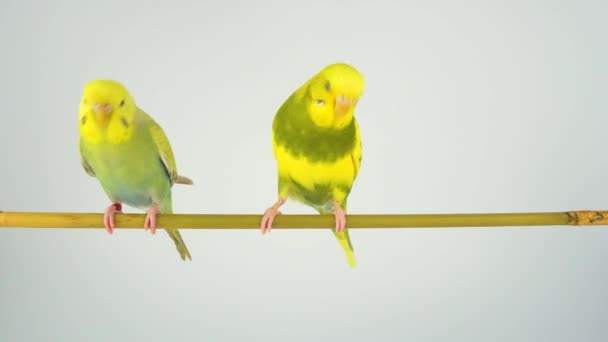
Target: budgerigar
(317, 145)
(129, 154)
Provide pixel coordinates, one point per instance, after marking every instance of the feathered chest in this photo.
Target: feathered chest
(301, 138)
(130, 172)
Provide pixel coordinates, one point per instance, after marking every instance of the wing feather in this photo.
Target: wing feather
(164, 151)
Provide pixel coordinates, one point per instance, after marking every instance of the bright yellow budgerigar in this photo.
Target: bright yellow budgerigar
(130, 155)
(317, 145)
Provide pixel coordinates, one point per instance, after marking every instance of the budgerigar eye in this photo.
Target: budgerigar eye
(319, 102)
(327, 86)
(122, 103)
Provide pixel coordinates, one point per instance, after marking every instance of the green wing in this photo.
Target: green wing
(164, 150)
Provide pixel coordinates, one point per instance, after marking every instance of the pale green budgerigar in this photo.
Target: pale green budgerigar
(130, 155)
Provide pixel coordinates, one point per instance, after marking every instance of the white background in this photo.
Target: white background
(470, 106)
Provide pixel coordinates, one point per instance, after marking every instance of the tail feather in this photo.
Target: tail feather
(343, 238)
(179, 244)
(344, 241)
(167, 207)
(183, 180)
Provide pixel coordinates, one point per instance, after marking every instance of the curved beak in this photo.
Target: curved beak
(102, 112)
(343, 105)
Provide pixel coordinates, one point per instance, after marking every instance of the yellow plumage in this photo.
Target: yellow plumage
(317, 145)
(343, 170)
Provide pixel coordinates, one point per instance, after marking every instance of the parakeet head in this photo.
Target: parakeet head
(107, 111)
(332, 95)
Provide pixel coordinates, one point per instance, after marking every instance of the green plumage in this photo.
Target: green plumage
(299, 137)
(319, 197)
(294, 130)
(133, 172)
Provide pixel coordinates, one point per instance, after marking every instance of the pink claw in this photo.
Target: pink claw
(108, 217)
(340, 219)
(268, 218)
(150, 222)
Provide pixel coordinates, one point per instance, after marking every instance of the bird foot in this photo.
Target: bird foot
(340, 215)
(150, 222)
(108, 217)
(269, 216)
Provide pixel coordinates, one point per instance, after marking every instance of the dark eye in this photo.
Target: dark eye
(319, 102)
(122, 103)
(327, 86)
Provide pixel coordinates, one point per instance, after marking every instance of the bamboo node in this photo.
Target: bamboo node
(588, 217)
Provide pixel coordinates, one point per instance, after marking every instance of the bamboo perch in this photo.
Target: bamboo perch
(189, 221)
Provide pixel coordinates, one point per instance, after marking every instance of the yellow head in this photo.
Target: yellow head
(107, 112)
(332, 94)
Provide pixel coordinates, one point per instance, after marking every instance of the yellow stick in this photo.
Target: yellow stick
(189, 221)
